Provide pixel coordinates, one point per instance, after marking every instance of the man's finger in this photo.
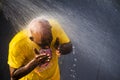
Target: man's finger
(43, 60)
(36, 51)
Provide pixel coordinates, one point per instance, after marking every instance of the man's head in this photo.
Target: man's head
(40, 31)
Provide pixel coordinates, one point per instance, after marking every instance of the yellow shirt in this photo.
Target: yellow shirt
(21, 51)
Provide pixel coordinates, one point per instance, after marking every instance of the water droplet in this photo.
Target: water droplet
(71, 70)
(73, 47)
(75, 59)
(73, 52)
(73, 76)
(74, 65)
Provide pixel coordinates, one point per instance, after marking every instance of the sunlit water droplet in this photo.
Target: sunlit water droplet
(74, 65)
(75, 59)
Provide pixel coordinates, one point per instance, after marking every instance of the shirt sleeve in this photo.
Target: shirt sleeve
(16, 56)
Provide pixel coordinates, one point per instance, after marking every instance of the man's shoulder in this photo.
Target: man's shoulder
(19, 38)
(54, 23)
(56, 27)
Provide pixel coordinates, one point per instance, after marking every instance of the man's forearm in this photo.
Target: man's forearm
(65, 48)
(24, 70)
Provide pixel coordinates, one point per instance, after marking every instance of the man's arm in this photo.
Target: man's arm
(64, 48)
(24, 70)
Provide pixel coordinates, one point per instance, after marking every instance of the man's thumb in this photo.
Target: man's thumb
(36, 51)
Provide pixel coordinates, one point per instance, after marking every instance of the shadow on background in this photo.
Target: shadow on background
(6, 33)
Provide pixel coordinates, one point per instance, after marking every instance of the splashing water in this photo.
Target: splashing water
(86, 23)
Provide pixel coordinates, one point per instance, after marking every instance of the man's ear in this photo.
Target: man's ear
(31, 38)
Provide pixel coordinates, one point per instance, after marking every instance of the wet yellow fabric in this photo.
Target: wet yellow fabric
(21, 51)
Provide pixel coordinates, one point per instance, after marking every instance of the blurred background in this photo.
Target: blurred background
(92, 25)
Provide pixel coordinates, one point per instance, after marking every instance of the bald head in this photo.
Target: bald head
(40, 31)
(36, 25)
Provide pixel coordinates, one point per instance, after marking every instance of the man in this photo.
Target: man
(34, 51)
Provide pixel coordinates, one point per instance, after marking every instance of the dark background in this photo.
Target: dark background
(92, 25)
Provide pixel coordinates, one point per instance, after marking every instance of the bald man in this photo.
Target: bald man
(34, 51)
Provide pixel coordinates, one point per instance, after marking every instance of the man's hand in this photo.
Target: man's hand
(25, 69)
(42, 57)
(57, 47)
(62, 49)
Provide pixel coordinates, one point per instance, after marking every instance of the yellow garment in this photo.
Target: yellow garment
(21, 51)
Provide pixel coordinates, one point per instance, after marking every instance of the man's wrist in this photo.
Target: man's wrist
(34, 63)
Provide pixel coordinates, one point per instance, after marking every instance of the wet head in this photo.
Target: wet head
(40, 31)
